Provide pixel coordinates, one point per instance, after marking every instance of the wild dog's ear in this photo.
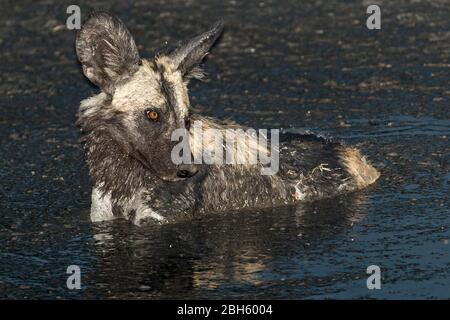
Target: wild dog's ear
(106, 50)
(187, 57)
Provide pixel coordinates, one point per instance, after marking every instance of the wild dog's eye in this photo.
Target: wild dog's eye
(152, 115)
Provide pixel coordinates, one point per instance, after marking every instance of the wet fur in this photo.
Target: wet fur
(128, 163)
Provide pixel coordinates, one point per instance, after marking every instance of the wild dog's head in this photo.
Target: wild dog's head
(146, 100)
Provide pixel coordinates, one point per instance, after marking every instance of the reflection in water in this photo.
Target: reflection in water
(201, 257)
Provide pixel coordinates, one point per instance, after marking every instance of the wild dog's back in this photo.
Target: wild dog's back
(310, 167)
(319, 167)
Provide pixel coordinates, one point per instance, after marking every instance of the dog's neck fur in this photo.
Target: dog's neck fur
(111, 169)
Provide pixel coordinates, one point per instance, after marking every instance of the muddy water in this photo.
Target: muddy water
(308, 64)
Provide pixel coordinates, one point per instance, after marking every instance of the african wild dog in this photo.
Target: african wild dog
(127, 135)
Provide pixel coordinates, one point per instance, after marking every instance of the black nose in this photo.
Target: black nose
(186, 171)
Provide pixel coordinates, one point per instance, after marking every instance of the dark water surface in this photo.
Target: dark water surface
(307, 64)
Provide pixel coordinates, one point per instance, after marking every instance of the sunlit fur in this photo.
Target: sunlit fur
(358, 166)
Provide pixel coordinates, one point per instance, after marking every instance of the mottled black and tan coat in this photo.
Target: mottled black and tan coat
(129, 156)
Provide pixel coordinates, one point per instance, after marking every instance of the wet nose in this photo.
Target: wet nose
(186, 170)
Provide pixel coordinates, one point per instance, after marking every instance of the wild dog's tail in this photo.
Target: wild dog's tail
(358, 167)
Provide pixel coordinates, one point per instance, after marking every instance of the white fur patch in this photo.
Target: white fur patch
(101, 206)
(92, 104)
